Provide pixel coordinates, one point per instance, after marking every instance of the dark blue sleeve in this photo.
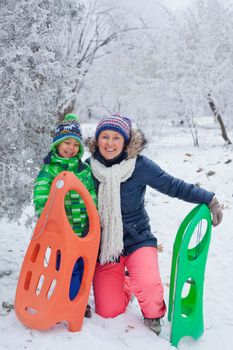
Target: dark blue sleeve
(163, 182)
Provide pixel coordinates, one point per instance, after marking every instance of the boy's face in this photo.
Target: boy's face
(68, 148)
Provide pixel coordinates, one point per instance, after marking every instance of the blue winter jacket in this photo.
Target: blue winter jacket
(137, 231)
(136, 223)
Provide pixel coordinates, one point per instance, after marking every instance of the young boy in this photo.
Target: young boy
(65, 153)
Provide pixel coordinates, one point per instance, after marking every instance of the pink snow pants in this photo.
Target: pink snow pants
(112, 289)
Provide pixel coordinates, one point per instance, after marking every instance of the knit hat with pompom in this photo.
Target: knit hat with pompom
(69, 128)
(115, 122)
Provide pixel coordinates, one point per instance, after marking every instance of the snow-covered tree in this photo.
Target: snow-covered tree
(167, 70)
(47, 47)
(205, 62)
(132, 78)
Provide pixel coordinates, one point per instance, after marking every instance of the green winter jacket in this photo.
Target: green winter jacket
(74, 204)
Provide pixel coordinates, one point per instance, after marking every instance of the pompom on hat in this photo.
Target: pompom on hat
(115, 122)
(69, 128)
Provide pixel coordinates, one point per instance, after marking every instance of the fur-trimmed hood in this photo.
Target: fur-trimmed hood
(136, 144)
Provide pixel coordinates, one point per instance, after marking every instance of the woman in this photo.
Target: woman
(121, 175)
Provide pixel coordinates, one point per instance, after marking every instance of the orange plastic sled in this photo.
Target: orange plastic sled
(42, 295)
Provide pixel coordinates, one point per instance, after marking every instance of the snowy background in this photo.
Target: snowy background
(166, 64)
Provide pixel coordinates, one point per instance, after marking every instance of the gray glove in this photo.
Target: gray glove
(216, 211)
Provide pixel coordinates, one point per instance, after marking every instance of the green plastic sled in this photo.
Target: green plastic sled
(187, 270)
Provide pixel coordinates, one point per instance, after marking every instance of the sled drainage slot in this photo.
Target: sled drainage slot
(51, 289)
(35, 253)
(40, 285)
(27, 280)
(47, 257)
(30, 310)
(58, 260)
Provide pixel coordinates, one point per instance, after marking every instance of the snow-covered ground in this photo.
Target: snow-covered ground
(210, 165)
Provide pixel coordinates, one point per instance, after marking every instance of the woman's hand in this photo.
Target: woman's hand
(216, 211)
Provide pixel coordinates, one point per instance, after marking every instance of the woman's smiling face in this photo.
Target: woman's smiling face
(111, 144)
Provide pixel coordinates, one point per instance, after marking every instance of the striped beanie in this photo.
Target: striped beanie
(115, 122)
(69, 128)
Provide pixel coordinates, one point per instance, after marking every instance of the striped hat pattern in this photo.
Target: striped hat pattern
(69, 128)
(115, 122)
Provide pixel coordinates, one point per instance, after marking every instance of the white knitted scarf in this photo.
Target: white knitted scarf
(109, 206)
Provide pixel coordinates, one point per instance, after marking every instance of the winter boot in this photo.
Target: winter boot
(154, 324)
(88, 311)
